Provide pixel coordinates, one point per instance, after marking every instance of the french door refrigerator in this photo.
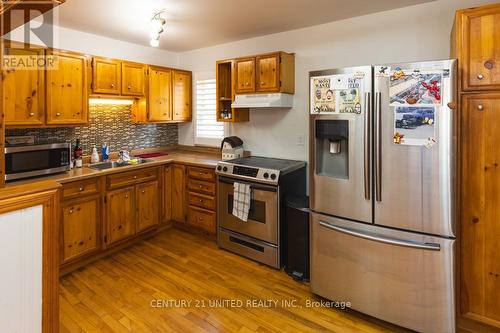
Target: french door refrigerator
(382, 172)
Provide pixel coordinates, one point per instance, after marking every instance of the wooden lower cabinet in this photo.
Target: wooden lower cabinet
(178, 192)
(81, 225)
(147, 202)
(120, 214)
(480, 209)
(167, 193)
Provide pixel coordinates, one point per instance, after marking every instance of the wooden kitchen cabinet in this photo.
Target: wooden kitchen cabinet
(133, 78)
(81, 227)
(167, 193)
(106, 76)
(24, 91)
(147, 205)
(477, 46)
(480, 230)
(120, 214)
(160, 94)
(266, 73)
(67, 93)
(475, 42)
(245, 75)
(181, 93)
(178, 192)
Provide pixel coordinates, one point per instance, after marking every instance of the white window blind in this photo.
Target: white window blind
(208, 131)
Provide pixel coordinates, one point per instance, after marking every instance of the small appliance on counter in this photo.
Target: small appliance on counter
(36, 159)
(232, 147)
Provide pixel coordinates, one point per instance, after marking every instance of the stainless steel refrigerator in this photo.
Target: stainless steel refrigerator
(382, 174)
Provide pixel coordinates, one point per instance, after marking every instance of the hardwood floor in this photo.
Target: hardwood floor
(130, 290)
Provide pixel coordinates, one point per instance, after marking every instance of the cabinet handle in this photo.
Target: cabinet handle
(71, 210)
(261, 83)
(58, 114)
(480, 107)
(480, 76)
(135, 177)
(246, 83)
(201, 200)
(143, 191)
(200, 186)
(112, 85)
(126, 196)
(200, 219)
(80, 189)
(32, 114)
(129, 87)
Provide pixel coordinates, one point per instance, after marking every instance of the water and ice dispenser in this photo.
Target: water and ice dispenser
(332, 148)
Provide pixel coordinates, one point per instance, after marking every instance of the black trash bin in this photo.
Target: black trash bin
(297, 238)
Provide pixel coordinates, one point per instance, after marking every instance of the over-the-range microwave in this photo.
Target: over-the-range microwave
(24, 161)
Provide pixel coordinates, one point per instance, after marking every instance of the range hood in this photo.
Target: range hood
(277, 100)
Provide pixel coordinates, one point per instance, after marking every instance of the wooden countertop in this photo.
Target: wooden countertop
(188, 157)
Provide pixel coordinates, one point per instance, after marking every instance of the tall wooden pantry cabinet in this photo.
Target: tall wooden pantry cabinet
(476, 44)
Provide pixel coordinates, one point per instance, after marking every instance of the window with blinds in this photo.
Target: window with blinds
(208, 131)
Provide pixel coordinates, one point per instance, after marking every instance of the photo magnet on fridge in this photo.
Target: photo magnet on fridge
(415, 87)
(414, 125)
(350, 99)
(322, 95)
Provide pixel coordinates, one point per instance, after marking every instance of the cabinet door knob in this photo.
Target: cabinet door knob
(112, 85)
(480, 107)
(261, 83)
(135, 177)
(32, 114)
(143, 191)
(71, 210)
(126, 196)
(80, 189)
(246, 83)
(58, 114)
(129, 87)
(480, 76)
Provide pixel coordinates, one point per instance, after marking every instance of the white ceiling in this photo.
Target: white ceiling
(193, 24)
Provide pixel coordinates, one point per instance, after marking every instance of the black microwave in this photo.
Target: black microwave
(36, 160)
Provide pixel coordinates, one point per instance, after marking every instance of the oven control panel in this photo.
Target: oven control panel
(268, 176)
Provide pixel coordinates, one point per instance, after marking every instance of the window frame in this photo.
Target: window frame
(202, 141)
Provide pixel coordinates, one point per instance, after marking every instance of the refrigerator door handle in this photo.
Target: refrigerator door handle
(367, 134)
(378, 146)
(382, 239)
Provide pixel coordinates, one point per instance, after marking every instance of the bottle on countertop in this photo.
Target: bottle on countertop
(94, 158)
(78, 154)
(105, 152)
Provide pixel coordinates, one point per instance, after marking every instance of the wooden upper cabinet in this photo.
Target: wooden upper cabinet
(268, 72)
(147, 205)
(480, 208)
(67, 93)
(106, 76)
(133, 78)
(120, 214)
(81, 228)
(181, 95)
(24, 91)
(478, 47)
(245, 75)
(160, 94)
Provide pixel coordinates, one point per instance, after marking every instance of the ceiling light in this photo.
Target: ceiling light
(156, 28)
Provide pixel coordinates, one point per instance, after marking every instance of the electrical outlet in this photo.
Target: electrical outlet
(300, 140)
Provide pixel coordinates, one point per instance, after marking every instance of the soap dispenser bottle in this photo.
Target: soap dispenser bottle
(94, 158)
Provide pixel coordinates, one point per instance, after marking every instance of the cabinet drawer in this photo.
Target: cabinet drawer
(201, 218)
(81, 188)
(201, 200)
(131, 177)
(201, 186)
(201, 173)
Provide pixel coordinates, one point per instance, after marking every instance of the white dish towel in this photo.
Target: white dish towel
(242, 196)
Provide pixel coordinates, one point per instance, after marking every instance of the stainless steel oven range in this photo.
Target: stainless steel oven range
(271, 180)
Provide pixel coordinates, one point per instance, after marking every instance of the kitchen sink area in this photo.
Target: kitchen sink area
(116, 164)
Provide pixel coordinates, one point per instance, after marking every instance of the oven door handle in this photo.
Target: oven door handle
(252, 185)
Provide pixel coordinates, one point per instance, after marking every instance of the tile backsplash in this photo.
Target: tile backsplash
(111, 124)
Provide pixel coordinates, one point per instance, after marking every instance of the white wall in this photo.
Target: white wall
(79, 41)
(414, 33)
